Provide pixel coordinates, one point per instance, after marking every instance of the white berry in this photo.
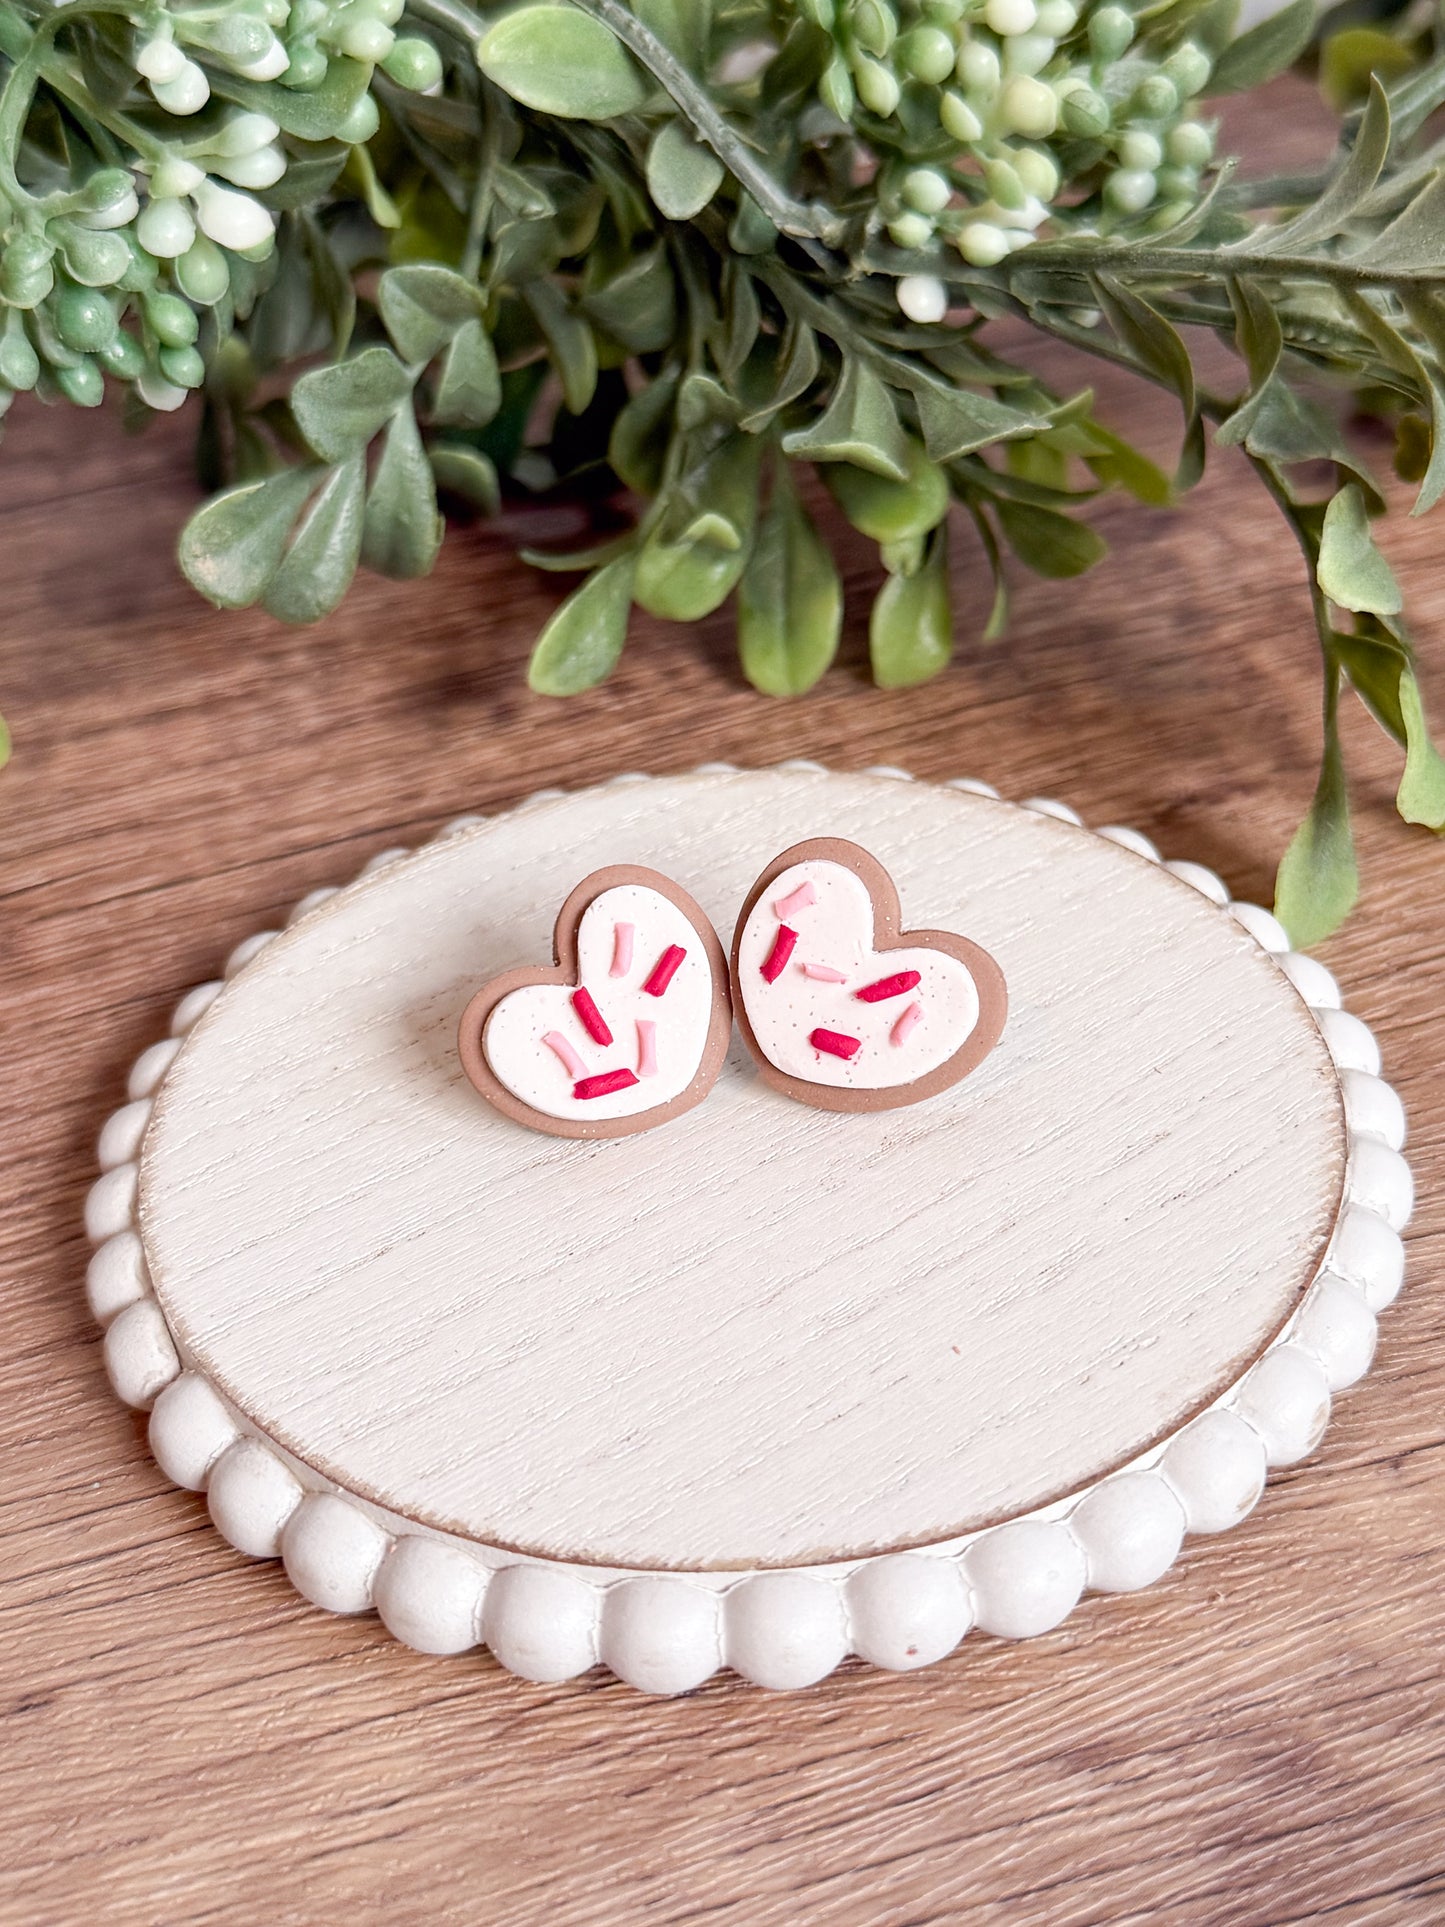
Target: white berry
(165, 229)
(923, 297)
(982, 244)
(187, 93)
(1010, 16)
(232, 220)
(160, 60)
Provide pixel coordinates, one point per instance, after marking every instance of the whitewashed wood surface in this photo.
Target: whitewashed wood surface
(763, 1335)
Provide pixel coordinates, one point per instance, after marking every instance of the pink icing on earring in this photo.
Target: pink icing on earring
(825, 973)
(778, 956)
(835, 1043)
(898, 985)
(646, 1047)
(593, 1022)
(799, 899)
(664, 970)
(621, 950)
(604, 1084)
(907, 1024)
(571, 1062)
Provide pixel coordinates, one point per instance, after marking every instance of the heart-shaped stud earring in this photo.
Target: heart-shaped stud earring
(627, 1027)
(842, 1009)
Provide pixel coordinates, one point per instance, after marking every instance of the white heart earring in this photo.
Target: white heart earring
(842, 1008)
(625, 1029)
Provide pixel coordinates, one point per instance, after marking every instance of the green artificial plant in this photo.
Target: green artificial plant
(411, 250)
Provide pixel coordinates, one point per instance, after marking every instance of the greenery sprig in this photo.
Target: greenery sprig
(414, 250)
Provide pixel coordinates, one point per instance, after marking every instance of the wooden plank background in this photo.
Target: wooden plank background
(1259, 1739)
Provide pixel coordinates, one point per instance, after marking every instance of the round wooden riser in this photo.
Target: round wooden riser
(768, 1384)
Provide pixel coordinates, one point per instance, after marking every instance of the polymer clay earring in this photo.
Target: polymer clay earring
(627, 1028)
(843, 1009)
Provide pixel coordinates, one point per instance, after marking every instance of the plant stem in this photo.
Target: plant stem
(1209, 264)
(804, 221)
(480, 212)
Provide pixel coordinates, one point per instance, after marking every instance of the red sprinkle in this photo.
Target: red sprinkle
(835, 1043)
(604, 1084)
(778, 956)
(886, 987)
(664, 970)
(593, 1021)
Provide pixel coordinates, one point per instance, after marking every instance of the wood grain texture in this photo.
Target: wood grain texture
(768, 1335)
(1257, 1741)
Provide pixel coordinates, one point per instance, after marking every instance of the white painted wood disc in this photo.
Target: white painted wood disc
(762, 1335)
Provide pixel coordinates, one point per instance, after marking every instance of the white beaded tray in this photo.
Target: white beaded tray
(767, 1386)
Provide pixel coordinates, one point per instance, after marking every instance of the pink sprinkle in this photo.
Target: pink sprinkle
(906, 1024)
(796, 900)
(604, 1084)
(664, 970)
(825, 973)
(779, 954)
(897, 986)
(593, 1022)
(646, 1047)
(571, 1062)
(621, 950)
(834, 1043)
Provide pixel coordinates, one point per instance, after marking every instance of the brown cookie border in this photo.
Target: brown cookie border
(887, 914)
(563, 970)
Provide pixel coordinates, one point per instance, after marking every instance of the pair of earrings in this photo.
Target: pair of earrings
(841, 1008)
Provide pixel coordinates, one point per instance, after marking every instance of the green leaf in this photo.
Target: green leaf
(682, 174)
(402, 530)
(315, 114)
(469, 389)
(1415, 240)
(859, 425)
(891, 511)
(638, 306)
(682, 26)
(682, 573)
(1050, 544)
(1119, 464)
(560, 61)
(580, 645)
(338, 409)
(1421, 795)
(997, 621)
(569, 340)
(744, 319)
(799, 370)
(317, 569)
(1352, 60)
(305, 181)
(1351, 570)
(232, 545)
(1157, 344)
(1318, 880)
(1260, 340)
(1382, 673)
(790, 599)
(467, 473)
(573, 561)
(5, 742)
(1289, 428)
(956, 422)
(910, 630)
(424, 306)
(640, 433)
(1334, 209)
(703, 399)
(361, 169)
(1264, 50)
